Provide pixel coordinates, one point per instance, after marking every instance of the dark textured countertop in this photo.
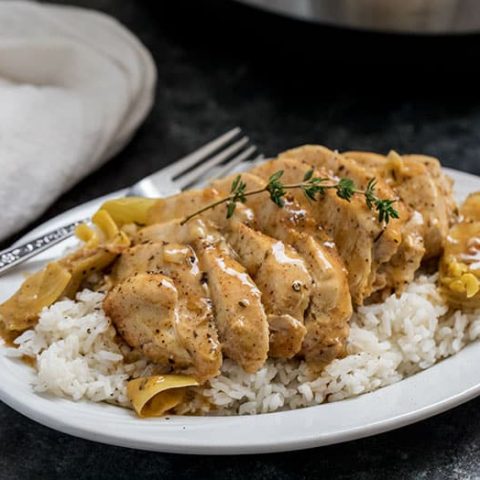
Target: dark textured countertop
(286, 83)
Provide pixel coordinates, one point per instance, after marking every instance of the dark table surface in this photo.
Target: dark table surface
(286, 83)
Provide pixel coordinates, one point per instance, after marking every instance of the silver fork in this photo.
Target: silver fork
(225, 152)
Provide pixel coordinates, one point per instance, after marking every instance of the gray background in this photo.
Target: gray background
(286, 83)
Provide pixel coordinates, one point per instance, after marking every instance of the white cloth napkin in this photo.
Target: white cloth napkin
(74, 86)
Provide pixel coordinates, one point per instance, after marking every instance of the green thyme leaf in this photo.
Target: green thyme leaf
(309, 193)
(231, 206)
(275, 177)
(345, 188)
(370, 193)
(385, 210)
(235, 183)
(308, 175)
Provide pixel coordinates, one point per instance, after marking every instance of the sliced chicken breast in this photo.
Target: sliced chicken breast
(185, 203)
(398, 246)
(239, 314)
(144, 309)
(193, 323)
(421, 184)
(282, 276)
(351, 226)
(330, 308)
(285, 322)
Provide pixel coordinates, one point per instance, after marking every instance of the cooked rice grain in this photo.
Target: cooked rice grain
(387, 343)
(77, 356)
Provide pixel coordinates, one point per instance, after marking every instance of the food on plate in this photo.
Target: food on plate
(460, 265)
(382, 257)
(330, 308)
(312, 277)
(156, 395)
(63, 278)
(420, 184)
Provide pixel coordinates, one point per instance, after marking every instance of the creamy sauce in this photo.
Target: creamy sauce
(278, 252)
(327, 266)
(7, 335)
(175, 253)
(242, 276)
(30, 361)
(169, 284)
(417, 218)
(452, 240)
(472, 257)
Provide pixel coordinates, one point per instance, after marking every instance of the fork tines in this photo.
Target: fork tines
(225, 152)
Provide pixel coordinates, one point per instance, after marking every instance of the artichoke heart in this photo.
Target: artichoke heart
(129, 209)
(64, 277)
(39, 290)
(156, 395)
(470, 210)
(101, 248)
(460, 264)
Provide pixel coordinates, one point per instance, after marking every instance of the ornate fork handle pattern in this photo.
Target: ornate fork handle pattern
(15, 255)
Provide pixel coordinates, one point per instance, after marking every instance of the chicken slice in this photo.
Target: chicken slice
(185, 203)
(239, 314)
(181, 204)
(402, 237)
(281, 275)
(144, 309)
(330, 308)
(381, 257)
(285, 323)
(340, 219)
(328, 164)
(421, 184)
(193, 324)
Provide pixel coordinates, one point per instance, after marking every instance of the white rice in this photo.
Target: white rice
(387, 343)
(76, 354)
(77, 357)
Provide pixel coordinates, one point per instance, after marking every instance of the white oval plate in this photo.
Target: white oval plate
(443, 386)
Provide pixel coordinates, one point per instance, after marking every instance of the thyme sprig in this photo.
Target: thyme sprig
(312, 187)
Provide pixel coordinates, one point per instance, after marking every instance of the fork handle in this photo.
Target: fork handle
(11, 257)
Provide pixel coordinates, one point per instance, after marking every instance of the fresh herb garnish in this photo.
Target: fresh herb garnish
(237, 195)
(312, 187)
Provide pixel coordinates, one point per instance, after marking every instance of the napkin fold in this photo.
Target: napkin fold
(74, 86)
